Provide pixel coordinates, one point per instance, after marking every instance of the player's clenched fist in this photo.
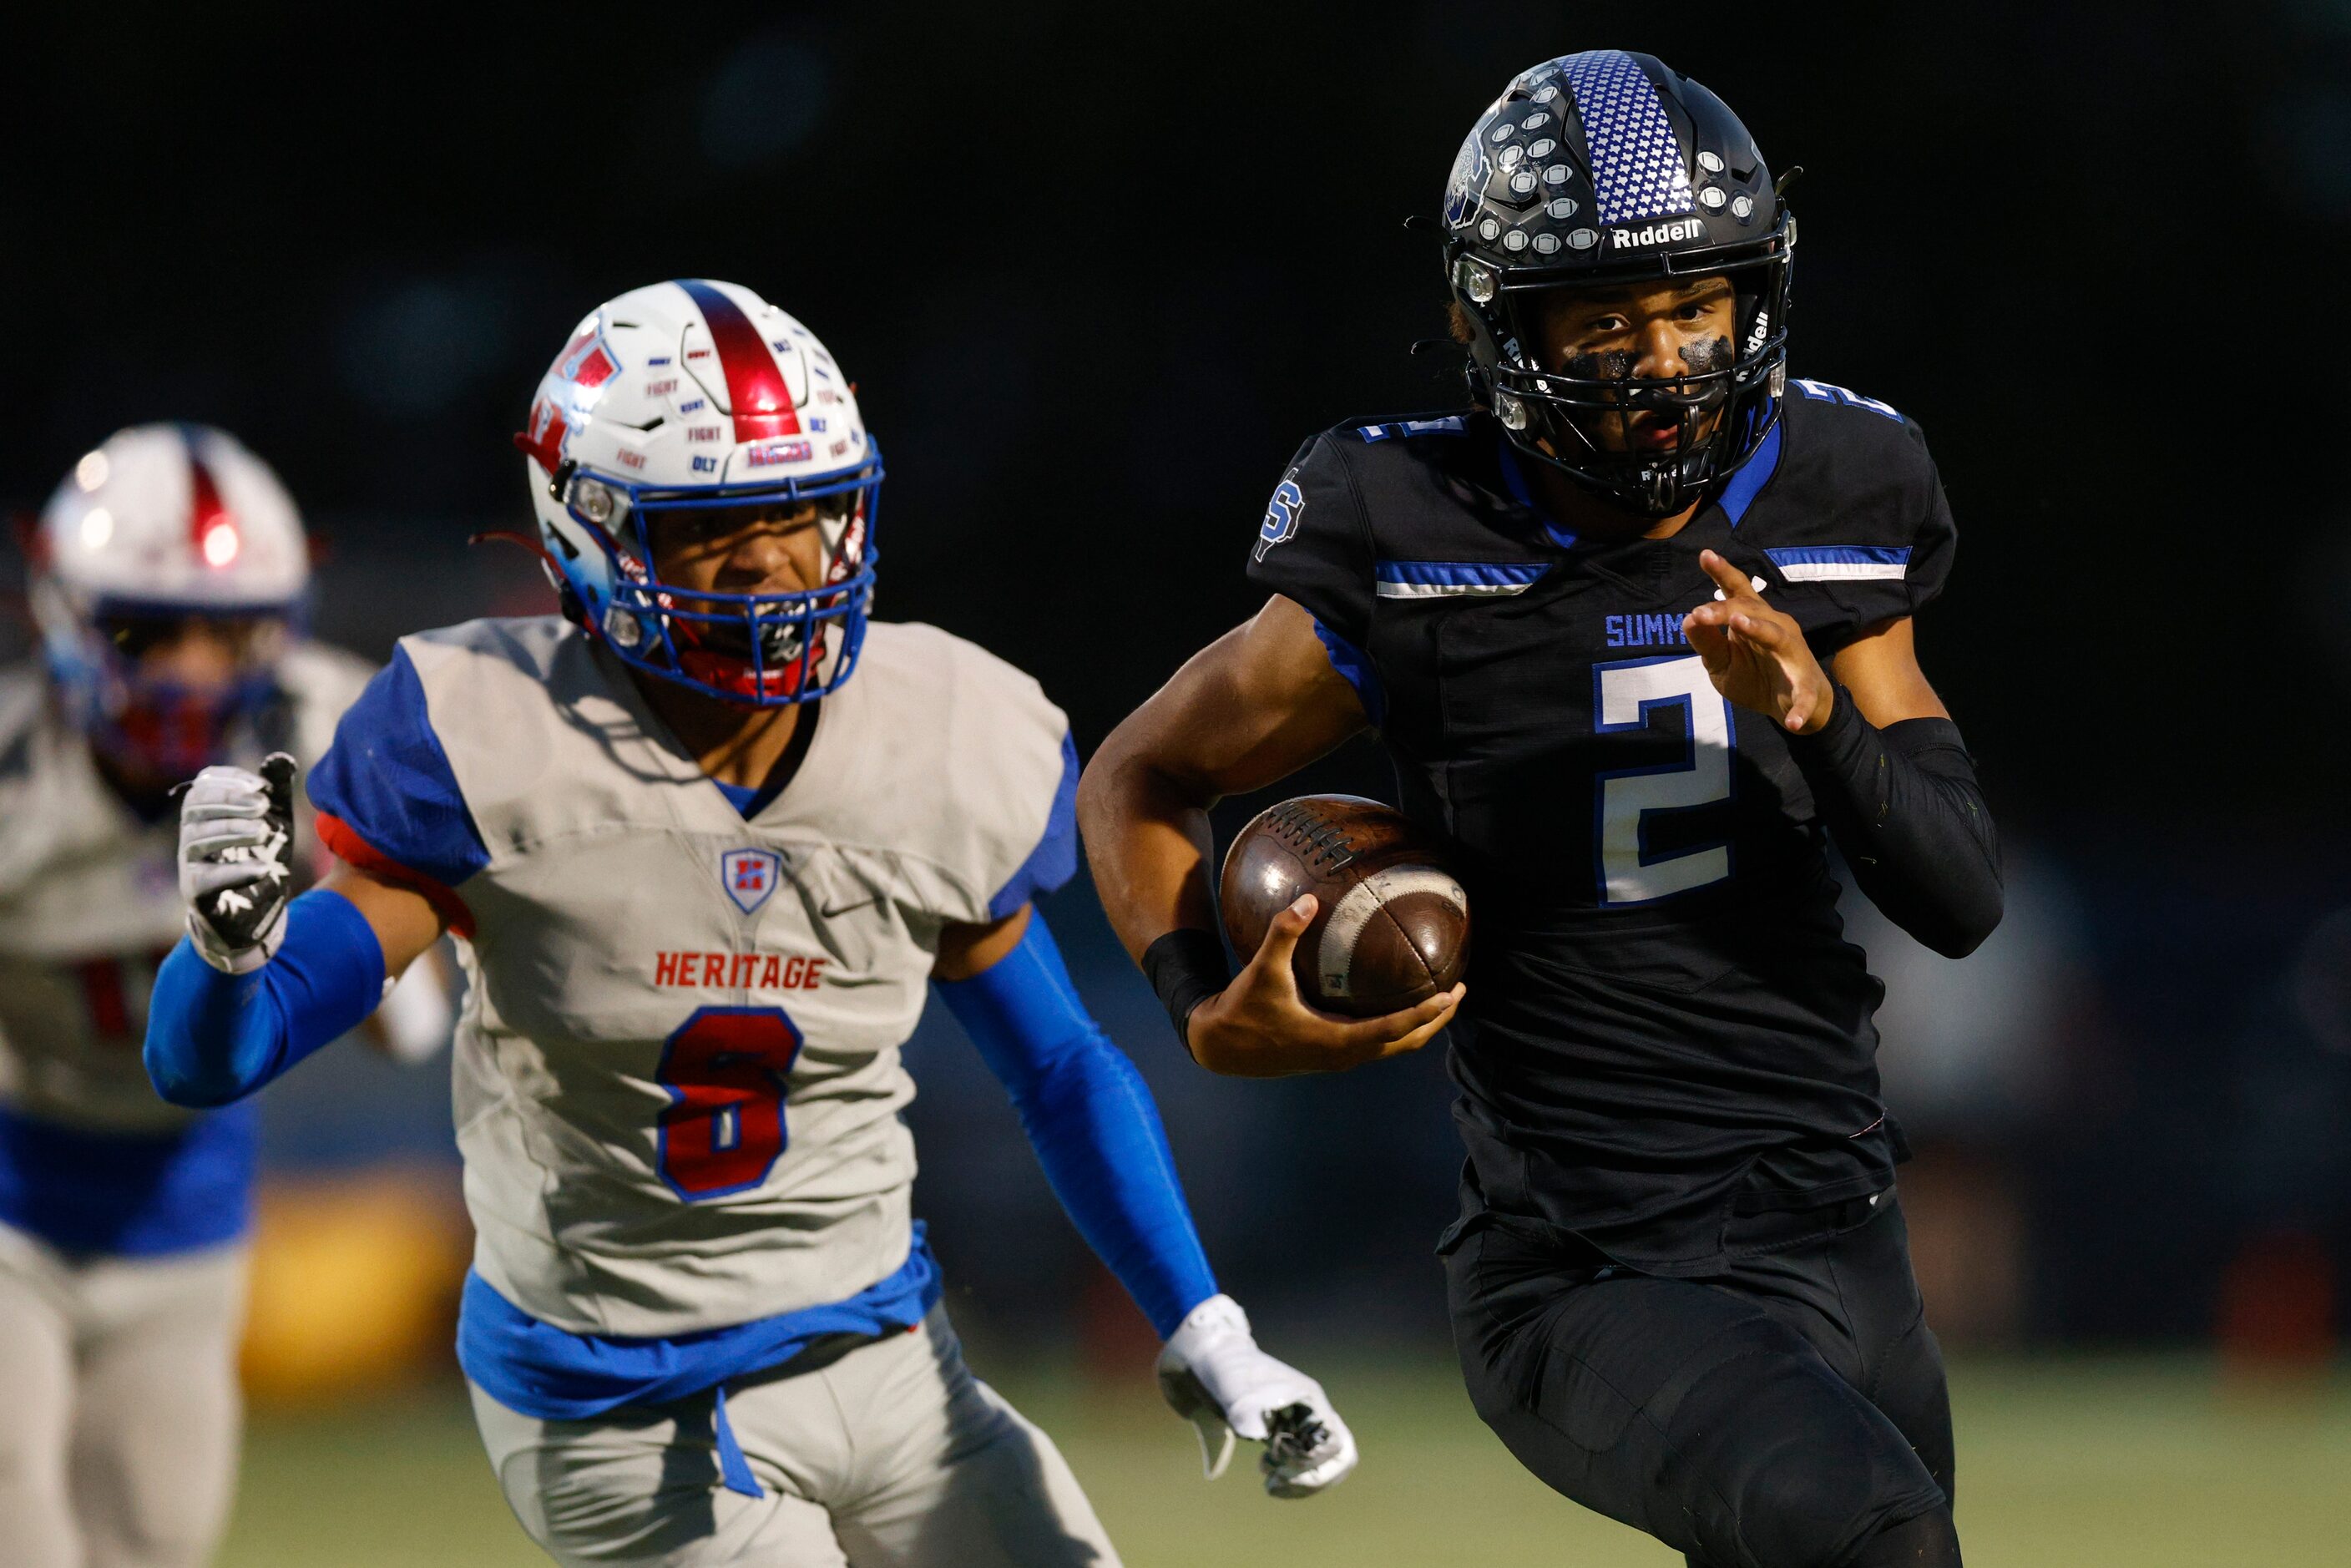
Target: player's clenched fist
(1755, 655)
(235, 830)
(1214, 1376)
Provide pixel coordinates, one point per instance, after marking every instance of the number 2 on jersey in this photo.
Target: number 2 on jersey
(726, 1069)
(1627, 696)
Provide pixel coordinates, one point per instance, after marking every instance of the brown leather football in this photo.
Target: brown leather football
(1393, 927)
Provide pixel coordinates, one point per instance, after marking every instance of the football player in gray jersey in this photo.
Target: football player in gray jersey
(703, 881)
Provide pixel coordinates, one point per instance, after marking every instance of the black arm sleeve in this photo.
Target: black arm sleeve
(1903, 805)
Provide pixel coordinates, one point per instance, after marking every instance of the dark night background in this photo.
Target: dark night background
(1098, 271)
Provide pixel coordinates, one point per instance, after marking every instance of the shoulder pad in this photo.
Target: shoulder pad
(532, 642)
(1829, 392)
(996, 814)
(1855, 514)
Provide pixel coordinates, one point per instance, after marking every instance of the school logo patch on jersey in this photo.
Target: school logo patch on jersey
(749, 876)
(1281, 513)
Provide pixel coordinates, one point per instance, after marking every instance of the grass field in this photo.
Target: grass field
(2073, 1463)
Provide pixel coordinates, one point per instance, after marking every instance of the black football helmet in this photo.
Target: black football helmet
(1606, 168)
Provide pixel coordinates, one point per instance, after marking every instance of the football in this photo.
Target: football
(1393, 925)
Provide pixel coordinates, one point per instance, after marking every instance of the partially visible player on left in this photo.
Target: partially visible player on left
(167, 575)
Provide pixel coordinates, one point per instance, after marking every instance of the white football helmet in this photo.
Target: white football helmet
(162, 523)
(697, 394)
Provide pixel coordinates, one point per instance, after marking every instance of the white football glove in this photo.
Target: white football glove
(237, 833)
(1214, 1376)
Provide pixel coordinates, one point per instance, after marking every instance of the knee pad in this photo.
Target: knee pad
(1810, 1470)
(1929, 1541)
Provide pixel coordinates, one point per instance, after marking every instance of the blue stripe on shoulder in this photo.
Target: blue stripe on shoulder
(388, 780)
(1496, 574)
(1055, 859)
(1753, 474)
(129, 1194)
(1840, 555)
(1452, 425)
(1355, 667)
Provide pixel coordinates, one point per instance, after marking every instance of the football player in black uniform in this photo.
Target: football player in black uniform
(1635, 628)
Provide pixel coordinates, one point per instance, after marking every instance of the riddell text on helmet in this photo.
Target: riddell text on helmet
(1656, 234)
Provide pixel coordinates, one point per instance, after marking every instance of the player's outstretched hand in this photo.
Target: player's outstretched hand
(1755, 655)
(1214, 1376)
(1259, 1027)
(237, 829)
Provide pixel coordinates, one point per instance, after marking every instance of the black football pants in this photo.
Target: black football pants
(1787, 1413)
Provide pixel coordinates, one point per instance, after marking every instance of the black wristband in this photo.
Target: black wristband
(1186, 967)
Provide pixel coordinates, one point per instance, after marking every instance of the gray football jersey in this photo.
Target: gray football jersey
(90, 900)
(677, 1079)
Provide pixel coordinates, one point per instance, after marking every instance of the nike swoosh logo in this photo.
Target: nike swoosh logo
(844, 909)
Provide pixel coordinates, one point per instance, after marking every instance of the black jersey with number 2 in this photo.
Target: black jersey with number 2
(1665, 1024)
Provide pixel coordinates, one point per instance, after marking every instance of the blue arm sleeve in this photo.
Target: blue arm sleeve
(1091, 1122)
(212, 1037)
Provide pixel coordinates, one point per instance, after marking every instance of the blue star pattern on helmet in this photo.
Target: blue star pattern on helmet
(1637, 171)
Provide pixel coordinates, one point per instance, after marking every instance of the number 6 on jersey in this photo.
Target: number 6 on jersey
(727, 1071)
(1625, 696)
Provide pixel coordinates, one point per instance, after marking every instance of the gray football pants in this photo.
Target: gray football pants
(119, 1408)
(889, 1455)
